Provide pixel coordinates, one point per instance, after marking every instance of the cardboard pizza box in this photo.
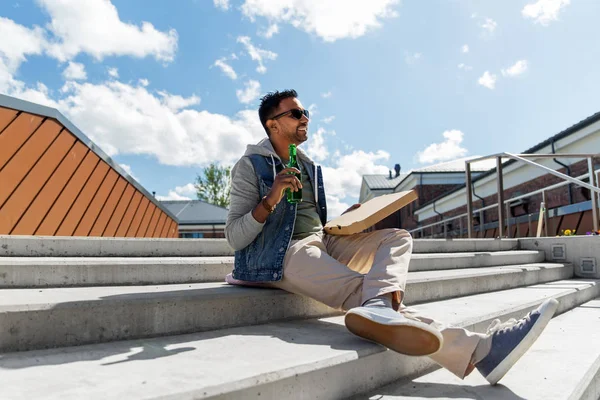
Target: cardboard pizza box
(369, 213)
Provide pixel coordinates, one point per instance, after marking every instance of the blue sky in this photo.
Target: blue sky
(165, 88)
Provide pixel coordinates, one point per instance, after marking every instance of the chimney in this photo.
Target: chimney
(153, 194)
(397, 169)
(390, 174)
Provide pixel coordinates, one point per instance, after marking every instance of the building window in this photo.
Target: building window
(191, 235)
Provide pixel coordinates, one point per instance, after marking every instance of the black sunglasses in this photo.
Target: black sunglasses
(295, 113)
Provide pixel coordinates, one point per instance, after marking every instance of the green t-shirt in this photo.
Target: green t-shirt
(307, 218)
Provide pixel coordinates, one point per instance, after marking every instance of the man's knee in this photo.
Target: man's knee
(399, 234)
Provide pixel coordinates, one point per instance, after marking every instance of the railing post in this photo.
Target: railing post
(529, 233)
(460, 224)
(594, 195)
(545, 211)
(469, 200)
(540, 219)
(482, 219)
(500, 183)
(507, 221)
(482, 223)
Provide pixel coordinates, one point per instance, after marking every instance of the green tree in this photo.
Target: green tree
(214, 187)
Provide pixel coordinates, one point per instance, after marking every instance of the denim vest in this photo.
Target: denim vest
(262, 260)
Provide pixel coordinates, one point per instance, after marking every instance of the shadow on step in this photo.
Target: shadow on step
(432, 390)
(301, 332)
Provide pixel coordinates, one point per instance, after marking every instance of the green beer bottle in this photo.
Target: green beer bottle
(294, 197)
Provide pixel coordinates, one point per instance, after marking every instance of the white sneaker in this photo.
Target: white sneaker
(393, 330)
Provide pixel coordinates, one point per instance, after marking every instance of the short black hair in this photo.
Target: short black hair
(270, 102)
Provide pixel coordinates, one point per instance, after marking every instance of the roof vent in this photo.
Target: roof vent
(397, 169)
(559, 252)
(390, 174)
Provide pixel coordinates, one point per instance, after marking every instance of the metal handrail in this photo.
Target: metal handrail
(528, 194)
(595, 191)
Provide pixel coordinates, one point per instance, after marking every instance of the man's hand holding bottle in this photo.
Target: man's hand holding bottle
(286, 179)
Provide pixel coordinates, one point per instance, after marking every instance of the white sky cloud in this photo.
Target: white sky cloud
(335, 206)
(127, 169)
(315, 147)
(517, 69)
(489, 25)
(143, 82)
(449, 149)
(465, 48)
(23, 42)
(226, 68)
(173, 195)
(176, 102)
(185, 192)
(273, 29)
(329, 120)
(222, 4)
(113, 72)
(544, 11)
(188, 189)
(464, 67)
(344, 178)
(257, 54)
(488, 80)
(125, 119)
(74, 71)
(249, 93)
(330, 20)
(326, 95)
(94, 27)
(412, 58)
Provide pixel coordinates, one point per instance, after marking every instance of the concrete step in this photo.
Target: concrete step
(42, 318)
(463, 245)
(101, 271)
(441, 261)
(310, 359)
(54, 246)
(564, 363)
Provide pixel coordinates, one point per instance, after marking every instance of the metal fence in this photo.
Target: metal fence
(503, 205)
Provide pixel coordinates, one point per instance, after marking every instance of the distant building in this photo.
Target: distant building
(442, 191)
(197, 218)
(429, 182)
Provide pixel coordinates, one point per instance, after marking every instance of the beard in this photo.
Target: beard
(299, 136)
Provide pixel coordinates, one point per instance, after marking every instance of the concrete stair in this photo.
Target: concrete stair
(102, 271)
(131, 318)
(563, 364)
(52, 246)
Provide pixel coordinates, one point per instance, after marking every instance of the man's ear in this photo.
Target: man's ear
(273, 126)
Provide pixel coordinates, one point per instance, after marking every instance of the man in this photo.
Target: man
(282, 245)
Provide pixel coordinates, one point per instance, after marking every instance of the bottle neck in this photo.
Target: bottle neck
(292, 156)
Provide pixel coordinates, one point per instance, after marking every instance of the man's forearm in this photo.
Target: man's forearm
(260, 212)
(243, 230)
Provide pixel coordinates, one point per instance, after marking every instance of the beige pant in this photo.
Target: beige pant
(345, 271)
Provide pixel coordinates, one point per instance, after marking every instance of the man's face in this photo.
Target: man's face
(292, 129)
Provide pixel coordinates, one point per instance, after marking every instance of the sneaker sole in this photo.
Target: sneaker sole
(546, 315)
(408, 340)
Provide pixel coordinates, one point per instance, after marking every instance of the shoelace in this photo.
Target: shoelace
(497, 326)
